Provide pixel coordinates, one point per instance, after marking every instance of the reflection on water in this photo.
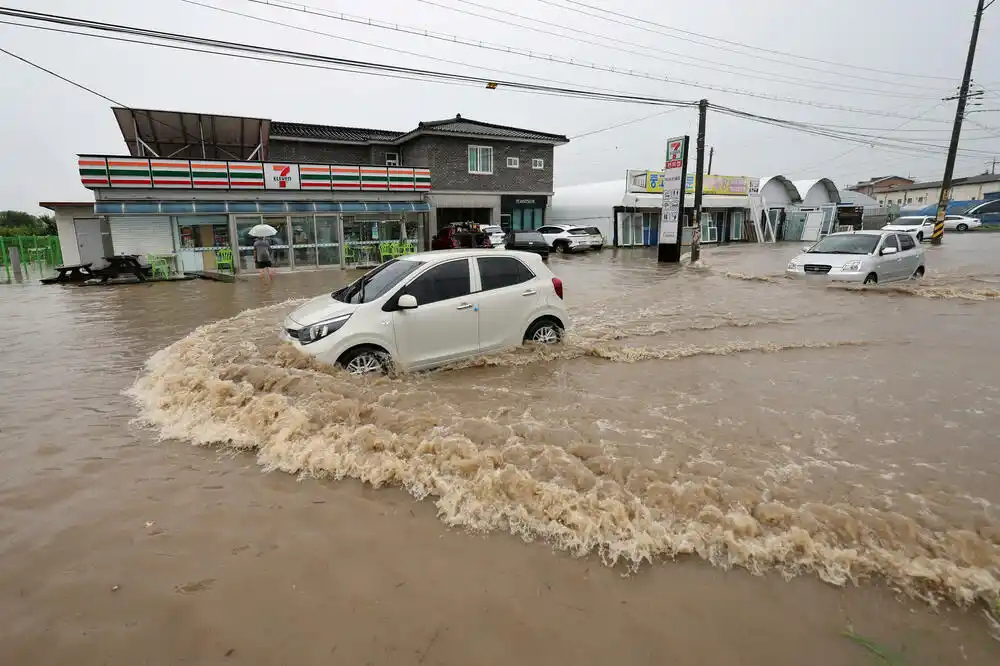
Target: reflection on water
(719, 411)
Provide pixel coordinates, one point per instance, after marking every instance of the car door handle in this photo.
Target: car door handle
(529, 292)
(464, 306)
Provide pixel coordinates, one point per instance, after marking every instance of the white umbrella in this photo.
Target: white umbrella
(263, 230)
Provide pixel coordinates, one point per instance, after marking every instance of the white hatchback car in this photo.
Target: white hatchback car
(868, 257)
(424, 310)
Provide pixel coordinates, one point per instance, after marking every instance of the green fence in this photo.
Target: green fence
(38, 254)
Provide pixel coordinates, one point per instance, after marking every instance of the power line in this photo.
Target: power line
(741, 44)
(617, 47)
(623, 124)
(539, 55)
(374, 45)
(293, 58)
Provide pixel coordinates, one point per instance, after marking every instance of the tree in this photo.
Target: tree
(19, 223)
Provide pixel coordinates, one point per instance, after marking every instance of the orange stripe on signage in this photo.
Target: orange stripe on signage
(92, 162)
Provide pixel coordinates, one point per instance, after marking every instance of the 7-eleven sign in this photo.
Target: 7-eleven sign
(675, 154)
(281, 176)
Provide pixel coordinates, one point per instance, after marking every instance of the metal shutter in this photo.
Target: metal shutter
(136, 234)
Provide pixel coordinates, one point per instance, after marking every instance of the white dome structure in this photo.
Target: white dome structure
(778, 192)
(817, 192)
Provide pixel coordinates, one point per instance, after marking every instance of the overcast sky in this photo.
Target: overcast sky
(45, 122)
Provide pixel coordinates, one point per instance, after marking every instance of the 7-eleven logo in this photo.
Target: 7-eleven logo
(675, 151)
(283, 177)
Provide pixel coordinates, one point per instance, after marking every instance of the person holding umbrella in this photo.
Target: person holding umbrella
(262, 249)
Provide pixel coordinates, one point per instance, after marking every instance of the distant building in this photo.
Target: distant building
(879, 184)
(915, 194)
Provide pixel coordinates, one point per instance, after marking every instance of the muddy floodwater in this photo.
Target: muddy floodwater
(719, 466)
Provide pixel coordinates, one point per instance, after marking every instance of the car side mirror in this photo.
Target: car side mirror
(889, 250)
(406, 302)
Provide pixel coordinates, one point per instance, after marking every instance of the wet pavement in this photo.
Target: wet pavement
(701, 424)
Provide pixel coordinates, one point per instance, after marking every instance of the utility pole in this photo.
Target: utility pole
(993, 167)
(956, 132)
(711, 154)
(699, 181)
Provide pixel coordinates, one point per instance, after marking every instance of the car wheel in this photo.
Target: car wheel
(919, 273)
(365, 360)
(545, 331)
(920, 237)
(871, 279)
(962, 227)
(560, 247)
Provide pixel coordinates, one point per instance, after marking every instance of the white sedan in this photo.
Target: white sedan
(427, 309)
(961, 222)
(921, 226)
(868, 257)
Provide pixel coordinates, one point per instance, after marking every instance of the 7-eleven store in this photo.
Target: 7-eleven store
(191, 210)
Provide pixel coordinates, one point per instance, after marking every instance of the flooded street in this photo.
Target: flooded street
(607, 501)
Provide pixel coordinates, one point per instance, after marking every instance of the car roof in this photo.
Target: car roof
(435, 256)
(861, 232)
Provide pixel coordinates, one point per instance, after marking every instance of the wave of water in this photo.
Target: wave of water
(231, 384)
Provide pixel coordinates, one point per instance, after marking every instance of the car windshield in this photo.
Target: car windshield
(528, 236)
(846, 244)
(377, 282)
(908, 221)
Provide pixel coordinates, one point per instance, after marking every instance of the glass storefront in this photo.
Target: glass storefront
(522, 212)
(302, 241)
(199, 240)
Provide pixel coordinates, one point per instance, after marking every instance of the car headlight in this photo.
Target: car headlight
(852, 265)
(320, 330)
(793, 265)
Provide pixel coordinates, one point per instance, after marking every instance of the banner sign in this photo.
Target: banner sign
(651, 182)
(671, 184)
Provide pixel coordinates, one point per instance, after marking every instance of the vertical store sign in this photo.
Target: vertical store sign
(673, 189)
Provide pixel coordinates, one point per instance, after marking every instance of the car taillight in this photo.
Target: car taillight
(557, 285)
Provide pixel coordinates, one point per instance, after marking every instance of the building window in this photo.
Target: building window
(481, 160)
(513, 163)
(920, 200)
(392, 159)
(538, 163)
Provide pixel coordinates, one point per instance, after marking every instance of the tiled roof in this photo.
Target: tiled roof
(334, 133)
(969, 180)
(457, 125)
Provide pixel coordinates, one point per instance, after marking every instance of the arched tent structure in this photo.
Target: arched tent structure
(778, 192)
(817, 192)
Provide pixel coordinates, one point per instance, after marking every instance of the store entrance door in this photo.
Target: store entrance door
(279, 242)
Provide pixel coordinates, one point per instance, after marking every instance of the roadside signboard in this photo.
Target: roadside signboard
(673, 189)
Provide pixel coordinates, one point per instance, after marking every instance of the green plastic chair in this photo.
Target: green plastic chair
(407, 247)
(224, 258)
(160, 266)
(350, 254)
(388, 250)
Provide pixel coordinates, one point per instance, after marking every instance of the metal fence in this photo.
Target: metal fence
(38, 254)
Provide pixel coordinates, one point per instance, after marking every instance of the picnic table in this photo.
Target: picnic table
(124, 264)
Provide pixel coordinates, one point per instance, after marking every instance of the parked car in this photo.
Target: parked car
(427, 309)
(454, 237)
(567, 238)
(527, 241)
(921, 226)
(495, 233)
(869, 257)
(597, 239)
(961, 222)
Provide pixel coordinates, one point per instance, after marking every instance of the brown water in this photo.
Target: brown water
(842, 443)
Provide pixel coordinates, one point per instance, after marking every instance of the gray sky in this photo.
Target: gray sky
(45, 122)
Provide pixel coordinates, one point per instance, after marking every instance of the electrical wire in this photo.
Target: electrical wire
(627, 122)
(617, 47)
(538, 55)
(744, 46)
(257, 52)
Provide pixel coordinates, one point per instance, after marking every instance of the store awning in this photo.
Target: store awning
(258, 207)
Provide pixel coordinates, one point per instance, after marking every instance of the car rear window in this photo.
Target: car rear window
(528, 236)
(593, 230)
(579, 232)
